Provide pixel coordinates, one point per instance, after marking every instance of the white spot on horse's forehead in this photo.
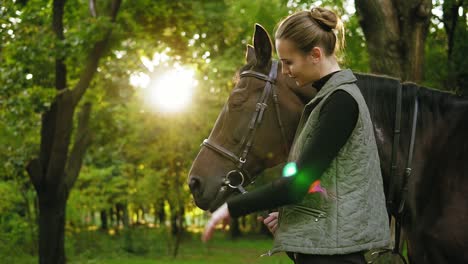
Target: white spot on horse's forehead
(378, 133)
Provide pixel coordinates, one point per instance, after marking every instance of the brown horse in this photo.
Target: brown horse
(251, 135)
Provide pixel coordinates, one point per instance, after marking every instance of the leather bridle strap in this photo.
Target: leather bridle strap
(261, 105)
(409, 162)
(221, 150)
(254, 123)
(280, 121)
(398, 212)
(406, 176)
(396, 144)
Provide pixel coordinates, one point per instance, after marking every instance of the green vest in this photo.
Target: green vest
(352, 216)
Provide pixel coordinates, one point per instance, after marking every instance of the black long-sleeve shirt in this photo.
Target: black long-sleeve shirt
(336, 121)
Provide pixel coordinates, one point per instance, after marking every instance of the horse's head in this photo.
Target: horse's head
(254, 129)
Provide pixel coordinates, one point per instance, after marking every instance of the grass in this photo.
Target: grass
(155, 246)
(150, 246)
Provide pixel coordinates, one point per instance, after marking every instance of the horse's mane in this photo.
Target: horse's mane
(374, 88)
(438, 103)
(443, 101)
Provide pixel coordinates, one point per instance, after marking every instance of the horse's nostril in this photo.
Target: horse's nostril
(194, 185)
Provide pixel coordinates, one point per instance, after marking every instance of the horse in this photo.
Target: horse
(420, 134)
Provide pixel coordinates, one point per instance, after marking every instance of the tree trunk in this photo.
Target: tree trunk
(52, 228)
(456, 30)
(395, 32)
(111, 217)
(178, 229)
(54, 172)
(175, 229)
(160, 214)
(122, 214)
(104, 222)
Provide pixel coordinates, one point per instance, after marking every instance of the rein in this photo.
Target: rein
(240, 177)
(398, 212)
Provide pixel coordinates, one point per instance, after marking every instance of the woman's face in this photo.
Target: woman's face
(303, 68)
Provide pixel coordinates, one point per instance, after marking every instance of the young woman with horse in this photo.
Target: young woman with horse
(331, 198)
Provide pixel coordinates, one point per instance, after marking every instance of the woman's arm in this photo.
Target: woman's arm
(336, 122)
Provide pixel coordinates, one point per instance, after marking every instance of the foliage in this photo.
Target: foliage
(16, 230)
(140, 156)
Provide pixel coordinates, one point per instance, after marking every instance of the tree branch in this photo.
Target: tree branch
(22, 2)
(50, 124)
(47, 133)
(34, 169)
(92, 8)
(57, 26)
(115, 9)
(94, 57)
(450, 19)
(60, 118)
(82, 141)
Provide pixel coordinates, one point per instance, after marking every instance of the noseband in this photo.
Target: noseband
(237, 178)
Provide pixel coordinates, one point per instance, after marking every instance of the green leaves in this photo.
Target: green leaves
(10, 198)
(138, 155)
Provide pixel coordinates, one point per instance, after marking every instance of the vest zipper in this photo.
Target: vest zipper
(310, 211)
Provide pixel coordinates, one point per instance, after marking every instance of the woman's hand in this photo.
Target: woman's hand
(271, 221)
(220, 215)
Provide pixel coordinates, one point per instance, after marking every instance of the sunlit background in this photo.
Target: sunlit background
(155, 96)
(165, 87)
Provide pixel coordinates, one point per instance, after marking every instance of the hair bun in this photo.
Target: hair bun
(324, 17)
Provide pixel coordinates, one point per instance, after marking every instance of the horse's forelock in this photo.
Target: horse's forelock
(251, 66)
(248, 66)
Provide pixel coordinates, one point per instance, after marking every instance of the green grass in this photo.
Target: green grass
(150, 246)
(155, 246)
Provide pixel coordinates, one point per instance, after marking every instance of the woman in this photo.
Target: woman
(332, 205)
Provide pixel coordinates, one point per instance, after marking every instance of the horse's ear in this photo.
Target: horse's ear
(263, 47)
(250, 54)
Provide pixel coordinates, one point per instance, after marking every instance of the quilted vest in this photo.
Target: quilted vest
(352, 216)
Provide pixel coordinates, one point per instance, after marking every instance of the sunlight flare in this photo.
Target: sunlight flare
(172, 91)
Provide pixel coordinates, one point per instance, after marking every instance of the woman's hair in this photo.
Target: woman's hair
(317, 27)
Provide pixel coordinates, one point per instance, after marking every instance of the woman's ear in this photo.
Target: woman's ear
(315, 54)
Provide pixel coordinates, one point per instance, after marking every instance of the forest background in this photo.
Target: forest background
(93, 169)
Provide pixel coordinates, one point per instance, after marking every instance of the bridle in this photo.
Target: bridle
(240, 177)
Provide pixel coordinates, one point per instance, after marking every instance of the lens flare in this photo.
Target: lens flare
(289, 169)
(173, 90)
(316, 187)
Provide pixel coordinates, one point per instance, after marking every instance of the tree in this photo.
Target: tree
(56, 169)
(138, 158)
(395, 32)
(455, 25)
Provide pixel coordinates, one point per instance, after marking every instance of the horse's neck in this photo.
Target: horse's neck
(304, 93)
(292, 101)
